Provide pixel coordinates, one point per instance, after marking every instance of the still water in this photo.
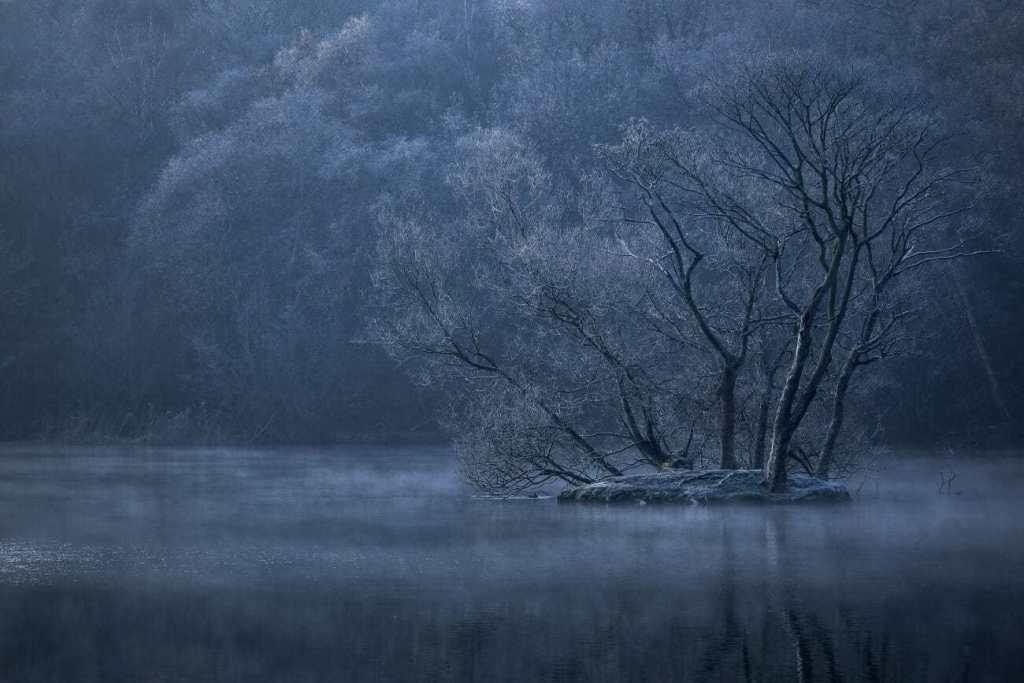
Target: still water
(377, 564)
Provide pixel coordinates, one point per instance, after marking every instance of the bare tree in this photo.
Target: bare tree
(851, 175)
(527, 301)
(757, 265)
(689, 254)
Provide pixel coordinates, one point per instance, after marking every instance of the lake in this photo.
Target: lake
(378, 564)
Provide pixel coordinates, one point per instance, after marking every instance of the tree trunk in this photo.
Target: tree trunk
(782, 431)
(761, 443)
(467, 26)
(979, 346)
(835, 425)
(775, 468)
(727, 395)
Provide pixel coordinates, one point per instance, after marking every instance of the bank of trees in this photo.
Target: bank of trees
(191, 195)
(713, 292)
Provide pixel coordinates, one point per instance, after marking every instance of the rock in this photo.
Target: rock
(710, 487)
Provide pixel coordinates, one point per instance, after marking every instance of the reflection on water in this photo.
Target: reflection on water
(377, 564)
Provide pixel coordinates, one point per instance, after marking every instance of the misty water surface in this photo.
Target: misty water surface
(378, 564)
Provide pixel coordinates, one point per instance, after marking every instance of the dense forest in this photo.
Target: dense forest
(205, 204)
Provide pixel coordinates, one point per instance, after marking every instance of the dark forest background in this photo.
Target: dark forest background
(189, 189)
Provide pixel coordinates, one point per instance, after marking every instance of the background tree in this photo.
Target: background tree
(99, 99)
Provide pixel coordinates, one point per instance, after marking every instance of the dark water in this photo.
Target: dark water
(377, 565)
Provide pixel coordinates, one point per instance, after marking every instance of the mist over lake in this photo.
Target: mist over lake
(379, 564)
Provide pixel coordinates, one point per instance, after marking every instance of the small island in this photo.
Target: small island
(710, 487)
